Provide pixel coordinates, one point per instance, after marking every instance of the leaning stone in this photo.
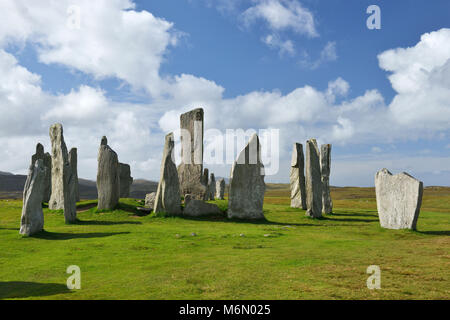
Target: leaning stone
(32, 220)
(297, 177)
(150, 200)
(74, 167)
(220, 189)
(325, 166)
(399, 198)
(47, 159)
(108, 181)
(126, 180)
(247, 187)
(313, 180)
(168, 198)
(198, 208)
(212, 187)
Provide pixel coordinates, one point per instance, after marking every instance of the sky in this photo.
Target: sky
(302, 68)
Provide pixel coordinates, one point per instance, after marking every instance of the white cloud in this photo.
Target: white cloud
(283, 46)
(328, 54)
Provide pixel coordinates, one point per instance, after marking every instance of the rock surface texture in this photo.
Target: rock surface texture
(73, 160)
(198, 208)
(63, 192)
(313, 180)
(125, 180)
(108, 180)
(150, 200)
(168, 198)
(399, 198)
(190, 170)
(247, 187)
(297, 177)
(47, 159)
(212, 187)
(32, 220)
(325, 166)
(220, 189)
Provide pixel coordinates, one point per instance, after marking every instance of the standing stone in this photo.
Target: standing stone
(47, 159)
(325, 166)
(297, 177)
(108, 181)
(63, 196)
(220, 189)
(191, 168)
(212, 187)
(399, 198)
(313, 180)
(150, 200)
(168, 198)
(73, 160)
(32, 220)
(205, 177)
(247, 187)
(125, 180)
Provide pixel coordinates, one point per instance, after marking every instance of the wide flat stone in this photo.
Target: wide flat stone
(199, 208)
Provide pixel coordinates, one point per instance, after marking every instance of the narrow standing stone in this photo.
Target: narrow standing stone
(399, 198)
(297, 177)
(73, 160)
(168, 198)
(126, 180)
(32, 220)
(212, 187)
(313, 180)
(108, 182)
(47, 159)
(247, 187)
(220, 189)
(325, 167)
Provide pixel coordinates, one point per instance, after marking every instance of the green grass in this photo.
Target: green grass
(289, 256)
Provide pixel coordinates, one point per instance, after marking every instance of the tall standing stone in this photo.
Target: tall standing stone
(168, 198)
(32, 220)
(297, 177)
(325, 167)
(63, 196)
(73, 160)
(212, 187)
(125, 180)
(399, 198)
(220, 189)
(108, 180)
(247, 187)
(191, 168)
(47, 159)
(313, 180)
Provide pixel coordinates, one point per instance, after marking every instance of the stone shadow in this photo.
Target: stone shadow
(354, 215)
(45, 235)
(21, 289)
(105, 223)
(436, 233)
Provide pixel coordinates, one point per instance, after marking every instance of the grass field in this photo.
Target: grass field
(289, 256)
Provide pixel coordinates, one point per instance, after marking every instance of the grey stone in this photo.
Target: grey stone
(205, 177)
(212, 187)
(247, 187)
(297, 177)
(108, 179)
(187, 198)
(73, 160)
(220, 189)
(190, 171)
(126, 180)
(150, 200)
(198, 208)
(325, 167)
(63, 192)
(399, 198)
(168, 198)
(32, 220)
(47, 159)
(313, 180)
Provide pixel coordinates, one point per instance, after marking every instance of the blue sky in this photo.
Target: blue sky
(247, 67)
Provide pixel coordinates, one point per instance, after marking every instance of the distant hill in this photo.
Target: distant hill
(11, 187)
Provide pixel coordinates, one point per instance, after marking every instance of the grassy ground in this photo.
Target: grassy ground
(126, 256)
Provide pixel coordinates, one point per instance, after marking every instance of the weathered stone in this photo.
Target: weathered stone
(32, 220)
(108, 180)
(150, 200)
(63, 193)
(247, 187)
(205, 177)
(220, 189)
(190, 170)
(313, 180)
(399, 198)
(325, 167)
(198, 208)
(187, 198)
(212, 187)
(297, 177)
(125, 180)
(168, 198)
(73, 160)
(47, 159)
